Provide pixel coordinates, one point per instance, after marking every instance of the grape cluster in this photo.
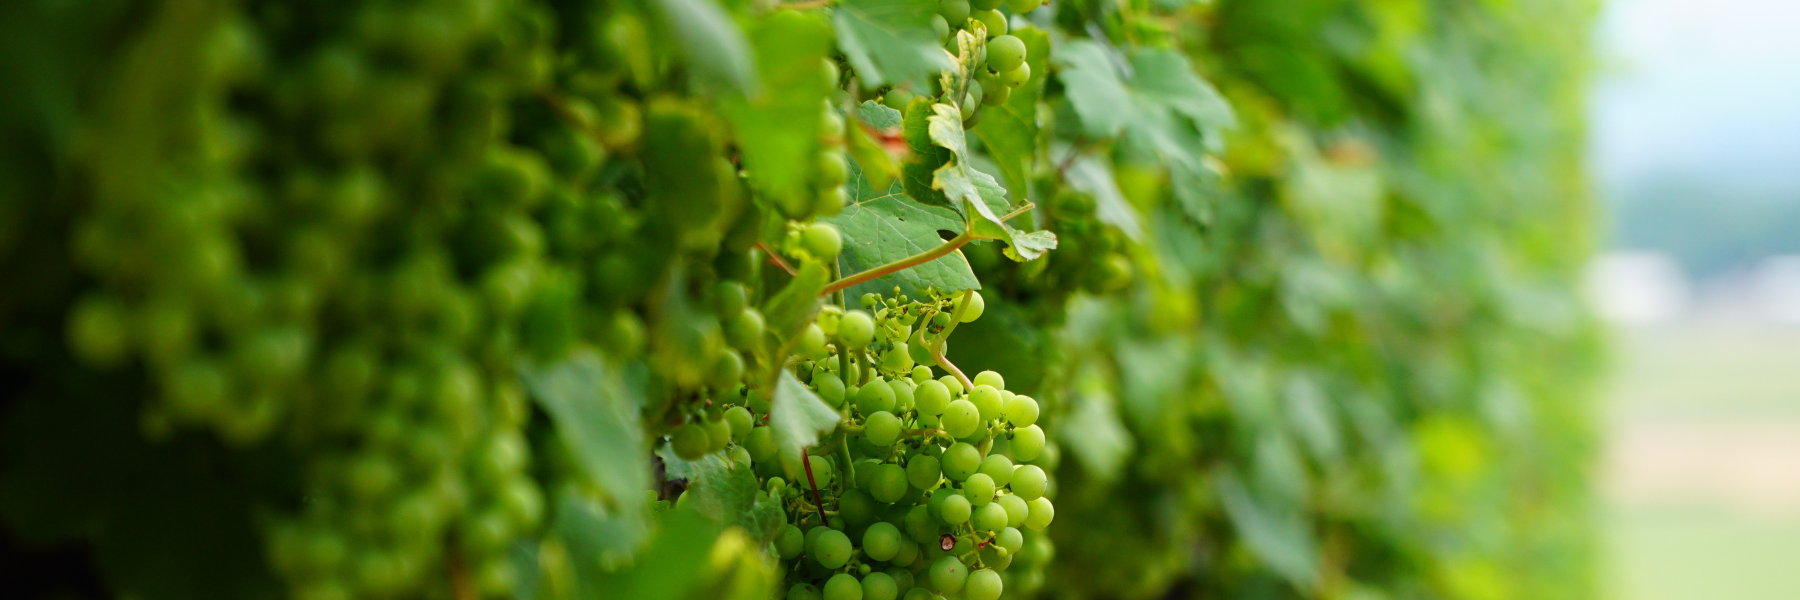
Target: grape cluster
(997, 71)
(926, 489)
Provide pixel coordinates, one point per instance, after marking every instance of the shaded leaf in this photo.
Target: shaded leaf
(1092, 175)
(798, 417)
(1278, 535)
(1166, 76)
(1093, 87)
(792, 308)
(869, 154)
(726, 493)
(712, 43)
(778, 129)
(596, 415)
(879, 115)
(890, 41)
(966, 186)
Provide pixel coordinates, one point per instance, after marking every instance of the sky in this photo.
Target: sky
(1704, 89)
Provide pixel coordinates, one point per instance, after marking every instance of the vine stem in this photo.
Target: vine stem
(776, 259)
(818, 505)
(902, 264)
(937, 350)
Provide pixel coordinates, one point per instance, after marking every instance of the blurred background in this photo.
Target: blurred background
(1696, 151)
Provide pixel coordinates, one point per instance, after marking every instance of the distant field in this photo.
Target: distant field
(1702, 476)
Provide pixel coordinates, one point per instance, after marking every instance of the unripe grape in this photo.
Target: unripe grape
(983, 585)
(987, 402)
(740, 421)
(821, 470)
(830, 388)
(993, 92)
(923, 471)
(991, 517)
(729, 297)
(832, 549)
(789, 542)
(962, 419)
(98, 331)
(1016, 77)
(690, 441)
(1027, 442)
(881, 429)
(876, 397)
(744, 329)
(922, 374)
(812, 343)
(932, 398)
(908, 552)
(824, 242)
(761, 444)
(897, 99)
(1021, 411)
(975, 302)
(997, 468)
(1042, 512)
(995, 22)
(804, 591)
(948, 575)
(960, 461)
(897, 359)
(881, 541)
(920, 593)
(889, 483)
(727, 370)
(903, 394)
(1029, 482)
(920, 352)
(953, 384)
(990, 378)
(718, 435)
(984, 4)
(954, 11)
(856, 507)
(955, 510)
(1005, 53)
(833, 171)
(856, 329)
(921, 526)
(1016, 509)
(941, 26)
(979, 489)
(879, 586)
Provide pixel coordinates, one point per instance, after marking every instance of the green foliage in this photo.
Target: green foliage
(658, 299)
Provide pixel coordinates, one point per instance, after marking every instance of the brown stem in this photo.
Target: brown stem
(938, 355)
(461, 587)
(818, 505)
(902, 264)
(776, 259)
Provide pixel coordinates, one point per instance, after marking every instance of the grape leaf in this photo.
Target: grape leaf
(1093, 87)
(1167, 77)
(966, 186)
(1093, 175)
(712, 43)
(879, 115)
(876, 164)
(778, 129)
(1276, 534)
(1010, 131)
(924, 157)
(596, 415)
(885, 226)
(792, 308)
(1101, 444)
(680, 158)
(890, 41)
(726, 493)
(798, 417)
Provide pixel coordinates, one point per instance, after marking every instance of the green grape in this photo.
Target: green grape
(990, 379)
(941, 26)
(804, 591)
(1011, 539)
(905, 555)
(919, 593)
(960, 461)
(955, 510)
(897, 359)
(856, 329)
(1028, 482)
(991, 517)
(932, 397)
(822, 239)
(745, 329)
(921, 526)
(961, 419)
(879, 586)
(812, 537)
(889, 483)
(876, 397)
(821, 470)
(727, 370)
(1027, 442)
(740, 421)
(881, 541)
(954, 11)
(789, 542)
(976, 304)
(832, 549)
(995, 22)
(987, 402)
(983, 585)
(1042, 512)
(882, 429)
(718, 435)
(903, 394)
(951, 383)
(812, 343)
(948, 575)
(843, 586)
(1016, 509)
(1021, 411)
(922, 374)
(923, 472)
(761, 444)
(1005, 53)
(979, 489)
(997, 468)
(830, 389)
(920, 352)
(984, 4)
(993, 92)
(856, 507)
(1016, 77)
(99, 331)
(996, 558)
(897, 98)
(1019, 7)
(865, 473)
(833, 170)
(690, 441)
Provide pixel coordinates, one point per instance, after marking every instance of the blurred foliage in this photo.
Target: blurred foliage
(1306, 326)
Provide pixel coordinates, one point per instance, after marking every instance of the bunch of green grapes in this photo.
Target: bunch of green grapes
(997, 70)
